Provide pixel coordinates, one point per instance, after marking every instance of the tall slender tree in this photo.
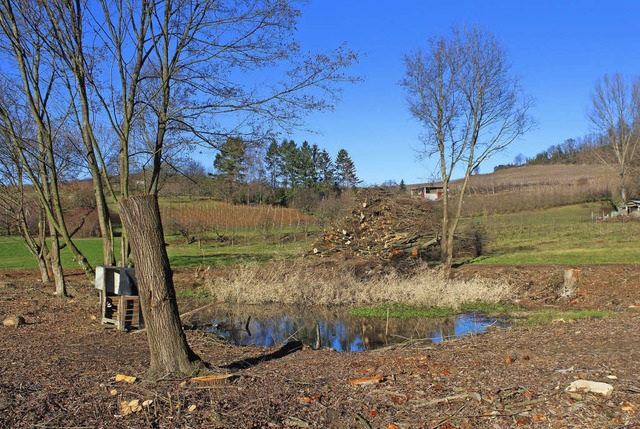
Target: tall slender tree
(273, 164)
(345, 170)
(462, 92)
(615, 115)
(326, 171)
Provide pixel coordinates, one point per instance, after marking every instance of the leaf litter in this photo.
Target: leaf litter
(478, 381)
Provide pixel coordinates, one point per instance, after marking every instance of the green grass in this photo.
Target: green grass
(248, 247)
(14, 253)
(398, 311)
(544, 317)
(561, 235)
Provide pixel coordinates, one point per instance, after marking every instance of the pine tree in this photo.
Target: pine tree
(290, 160)
(345, 170)
(306, 166)
(274, 164)
(326, 172)
(230, 165)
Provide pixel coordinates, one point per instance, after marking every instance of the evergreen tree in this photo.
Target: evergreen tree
(326, 172)
(230, 165)
(403, 186)
(274, 164)
(290, 160)
(345, 170)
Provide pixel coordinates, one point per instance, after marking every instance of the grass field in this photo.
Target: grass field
(247, 247)
(560, 235)
(14, 254)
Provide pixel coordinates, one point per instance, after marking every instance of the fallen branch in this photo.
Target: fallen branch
(449, 417)
(204, 307)
(363, 421)
(525, 403)
(473, 395)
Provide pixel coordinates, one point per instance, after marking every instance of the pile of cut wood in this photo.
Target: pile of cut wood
(384, 225)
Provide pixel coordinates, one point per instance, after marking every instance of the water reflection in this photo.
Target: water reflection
(333, 328)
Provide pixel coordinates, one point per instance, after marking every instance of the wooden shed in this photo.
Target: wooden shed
(427, 192)
(630, 207)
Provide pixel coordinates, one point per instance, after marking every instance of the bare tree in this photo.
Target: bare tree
(165, 75)
(15, 201)
(471, 107)
(615, 115)
(33, 159)
(65, 26)
(34, 66)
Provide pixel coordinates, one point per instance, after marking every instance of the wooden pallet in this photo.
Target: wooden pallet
(123, 311)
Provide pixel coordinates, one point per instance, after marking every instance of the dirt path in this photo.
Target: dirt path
(59, 370)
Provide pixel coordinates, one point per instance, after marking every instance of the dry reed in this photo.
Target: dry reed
(300, 283)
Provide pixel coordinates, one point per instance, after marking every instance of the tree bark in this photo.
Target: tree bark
(56, 265)
(170, 353)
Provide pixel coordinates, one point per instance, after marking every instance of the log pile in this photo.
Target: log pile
(383, 225)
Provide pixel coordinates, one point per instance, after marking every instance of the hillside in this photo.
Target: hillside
(533, 176)
(530, 187)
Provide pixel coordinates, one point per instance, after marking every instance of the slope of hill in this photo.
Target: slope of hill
(531, 187)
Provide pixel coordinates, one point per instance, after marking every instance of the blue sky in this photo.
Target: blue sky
(557, 48)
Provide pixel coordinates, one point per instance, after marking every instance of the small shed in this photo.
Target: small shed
(431, 193)
(630, 207)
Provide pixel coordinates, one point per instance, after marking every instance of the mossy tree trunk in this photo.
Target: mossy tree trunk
(169, 350)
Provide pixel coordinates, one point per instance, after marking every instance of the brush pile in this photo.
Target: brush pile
(384, 225)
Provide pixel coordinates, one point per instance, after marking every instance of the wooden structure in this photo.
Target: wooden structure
(431, 193)
(119, 301)
(630, 207)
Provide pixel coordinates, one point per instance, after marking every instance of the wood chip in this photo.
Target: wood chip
(367, 380)
(212, 379)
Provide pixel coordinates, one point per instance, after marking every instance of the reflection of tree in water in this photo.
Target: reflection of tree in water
(332, 328)
(377, 333)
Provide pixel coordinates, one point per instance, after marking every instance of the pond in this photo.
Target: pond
(331, 328)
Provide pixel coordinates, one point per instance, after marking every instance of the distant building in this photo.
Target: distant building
(431, 193)
(630, 207)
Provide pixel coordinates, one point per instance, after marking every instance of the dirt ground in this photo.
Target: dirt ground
(59, 369)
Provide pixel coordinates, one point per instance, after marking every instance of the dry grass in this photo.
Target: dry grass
(312, 283)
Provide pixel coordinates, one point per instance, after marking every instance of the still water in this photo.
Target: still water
(331, 328)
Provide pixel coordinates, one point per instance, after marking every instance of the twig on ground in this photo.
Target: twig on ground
(525, 403)
(472, 395)
(449, 417)
(363, 421)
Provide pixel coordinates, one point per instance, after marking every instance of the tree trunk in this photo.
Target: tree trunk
(623, 190)
(42, 250)
(170, 353)
(56, 265)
